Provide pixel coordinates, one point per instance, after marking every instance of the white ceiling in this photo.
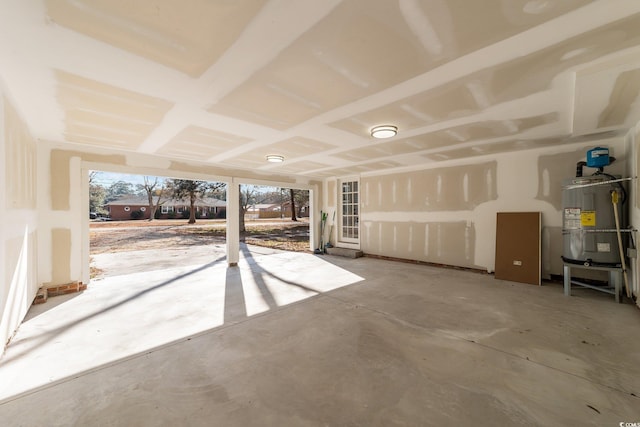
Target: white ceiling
(227, 82)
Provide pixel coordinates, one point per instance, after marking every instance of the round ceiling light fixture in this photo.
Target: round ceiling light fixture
(275, 158)
(385, 131)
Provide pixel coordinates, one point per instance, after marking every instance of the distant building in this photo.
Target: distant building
(263, 210)
(124, 208)
(274, 210)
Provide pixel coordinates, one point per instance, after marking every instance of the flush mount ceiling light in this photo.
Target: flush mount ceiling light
(275, 158)
(386, 131)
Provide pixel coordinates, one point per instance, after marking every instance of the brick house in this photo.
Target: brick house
(125, 208)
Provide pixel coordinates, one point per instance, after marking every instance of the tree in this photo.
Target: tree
(185, 188)
(292, 195)
(119, 189)
(302, 200)
(219, 191)
(97, 195)
(152, 189)
(248, 194)
(298, 199)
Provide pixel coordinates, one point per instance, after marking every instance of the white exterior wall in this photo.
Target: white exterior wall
(18, 220)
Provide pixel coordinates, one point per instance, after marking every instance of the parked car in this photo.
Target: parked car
(99, 216)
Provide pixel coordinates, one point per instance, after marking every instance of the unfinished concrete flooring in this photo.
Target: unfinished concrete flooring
(288, 339)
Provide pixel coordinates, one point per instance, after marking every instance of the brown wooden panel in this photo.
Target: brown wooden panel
(518, 247)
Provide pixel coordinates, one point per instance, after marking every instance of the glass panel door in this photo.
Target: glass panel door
(350, 214)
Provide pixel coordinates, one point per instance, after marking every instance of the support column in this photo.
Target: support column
(313, 206)
(317, 202)
(86, 249)
(233, 223)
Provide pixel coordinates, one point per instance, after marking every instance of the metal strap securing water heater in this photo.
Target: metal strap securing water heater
(607, 230)
(593, 184)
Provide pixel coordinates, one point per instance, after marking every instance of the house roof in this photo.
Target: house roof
(128, 201)
(265, 205)
(226, 83)
(143, 201)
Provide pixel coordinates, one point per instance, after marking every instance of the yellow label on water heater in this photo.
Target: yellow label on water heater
(588, 218)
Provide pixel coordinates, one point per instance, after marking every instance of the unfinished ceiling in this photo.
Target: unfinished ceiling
(228, 82)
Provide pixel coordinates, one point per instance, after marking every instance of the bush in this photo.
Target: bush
(137, 214)
(157, 214)
(185, 214)
(222, 214)
(171, 215)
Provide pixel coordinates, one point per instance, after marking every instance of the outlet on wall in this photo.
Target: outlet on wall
(517, 262)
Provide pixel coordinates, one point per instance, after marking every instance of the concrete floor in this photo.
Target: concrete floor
(289, 339)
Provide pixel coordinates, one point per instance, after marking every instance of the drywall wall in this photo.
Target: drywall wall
(446, 214)
(633, 165)
(18, 220)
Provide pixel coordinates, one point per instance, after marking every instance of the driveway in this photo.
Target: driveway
(117, 251)
(111, 264)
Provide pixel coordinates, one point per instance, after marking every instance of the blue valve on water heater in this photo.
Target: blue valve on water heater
(598, 157)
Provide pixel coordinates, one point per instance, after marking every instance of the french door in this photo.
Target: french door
(349, 209)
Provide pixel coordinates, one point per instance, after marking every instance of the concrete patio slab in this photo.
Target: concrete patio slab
(297, 339)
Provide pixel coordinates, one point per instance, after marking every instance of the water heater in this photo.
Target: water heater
(588, 222)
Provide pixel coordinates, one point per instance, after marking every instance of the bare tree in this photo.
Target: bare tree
(292, 194)
(152, 189)
(247, 198)
(302, 200)
(299, 199)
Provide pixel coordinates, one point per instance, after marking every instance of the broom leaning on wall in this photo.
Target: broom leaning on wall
(323, 221)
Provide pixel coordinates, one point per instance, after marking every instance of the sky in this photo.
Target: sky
(105, 179)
